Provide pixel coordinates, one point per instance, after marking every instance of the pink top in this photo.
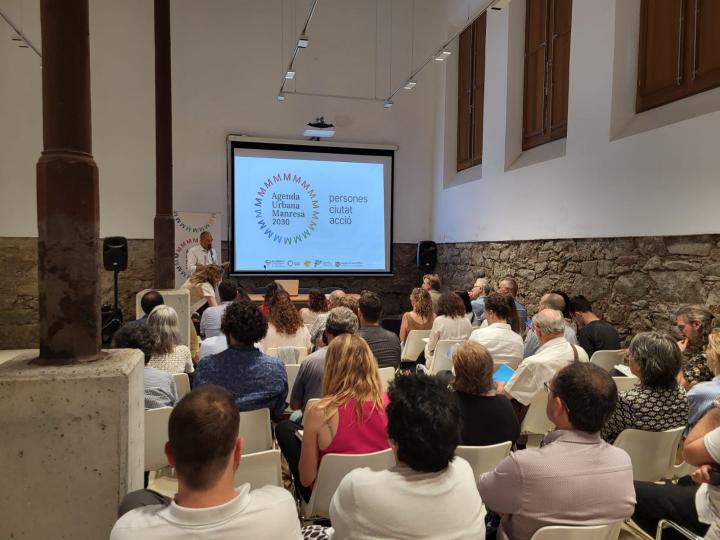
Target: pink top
(356, 437)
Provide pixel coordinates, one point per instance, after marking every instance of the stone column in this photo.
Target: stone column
(164, 277)
(67, 191)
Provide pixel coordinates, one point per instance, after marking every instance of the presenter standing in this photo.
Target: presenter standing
(198, 257)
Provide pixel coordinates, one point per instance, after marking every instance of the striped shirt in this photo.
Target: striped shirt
(160, 389)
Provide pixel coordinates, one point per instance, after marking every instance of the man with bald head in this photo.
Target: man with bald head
(548, 301)
(554, 353)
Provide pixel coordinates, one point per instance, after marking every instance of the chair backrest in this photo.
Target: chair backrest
(414, 344)
(387, 374)
(441, 358)
(182, 384)
(260, 469)
(484, 458)
(608, 359)
(156, 435)
(289, 355)
(333, 469)
(652, 452)
(256, 431)
(626, 383)
(611, 531)
(292, 373)
(536, 421)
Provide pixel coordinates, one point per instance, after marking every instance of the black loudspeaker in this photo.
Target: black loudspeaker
(115, 253)
(426, 255)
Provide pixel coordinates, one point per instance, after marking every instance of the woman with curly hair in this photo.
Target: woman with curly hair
(349, 419)
(285, 326)
(695, 323)
(317, 304)
(167, 352)
(450, 323)
(421, 317)
(202, 286)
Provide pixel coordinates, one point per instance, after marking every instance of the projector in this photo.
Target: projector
(319, 129)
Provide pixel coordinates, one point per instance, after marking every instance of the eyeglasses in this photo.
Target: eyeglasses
(549, 389)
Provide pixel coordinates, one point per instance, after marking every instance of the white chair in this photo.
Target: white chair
(483, 459)
(626, 383)
(182, 384)
(289, 355)
(256, 431)
(156, 435)
(536, 423)
(667, 524)
(652, 452)
(260, 469)
(333, 469)
(387, 374)
(441, 358)
(608, 359)
(610, 531)
(292, 372)
(414, 345)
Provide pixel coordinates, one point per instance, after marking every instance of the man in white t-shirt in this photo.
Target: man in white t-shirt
(429, 493)
(205, 449)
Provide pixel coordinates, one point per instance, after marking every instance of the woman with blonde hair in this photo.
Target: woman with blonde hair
(349, 419)
(487, 418)
(167, 353)
(421, 317)
(702, 395)
(202, 286)
(285, 326)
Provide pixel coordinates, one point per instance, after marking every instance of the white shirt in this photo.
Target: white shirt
(213, 345)
(199, 255)
(707, 497)
(536, 370)
(446, 328)
(503, 344)
(211, 317)
(178, 361)
(402, 503)
(274, 339)
(268, 512)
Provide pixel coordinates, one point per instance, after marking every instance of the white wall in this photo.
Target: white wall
(228, 58)
(657, 177)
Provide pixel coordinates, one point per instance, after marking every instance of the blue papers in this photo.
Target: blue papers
(502, 374)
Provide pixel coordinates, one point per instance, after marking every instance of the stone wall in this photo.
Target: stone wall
(19, 290)
(635, 283)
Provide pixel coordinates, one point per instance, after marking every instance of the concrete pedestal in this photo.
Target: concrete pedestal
(71, 444)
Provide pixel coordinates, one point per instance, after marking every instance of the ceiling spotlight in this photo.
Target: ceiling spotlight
(290, 75)
(388, 104)
(280, 97)
(319, 129)
(303, 42)
(409, 85)
(442, 56)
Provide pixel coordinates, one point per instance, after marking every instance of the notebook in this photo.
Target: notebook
(502, 374)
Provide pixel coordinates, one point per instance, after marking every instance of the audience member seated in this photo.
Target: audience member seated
(317, 304)
(318, 327)
(213, 345)
(431, 283)
(210, 320)
(309, 382)
(549, 301)
(271, 292)
(159, 385)
(658, 402)
(509, 287)
(255, 380)
(576, 478)
(349, 419)
(691, 506)
(450, 323)
(555, 353)
(695, 324)
(465, 297)
(202, 286)
(504, 344)
(428, 494)
(479, 291)
(148, 302)
(487, 418)
(594, 334)
(285, 326)
(167, 353)
(421, 317)
(204, 449)
(385, 345)
(702, 395)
